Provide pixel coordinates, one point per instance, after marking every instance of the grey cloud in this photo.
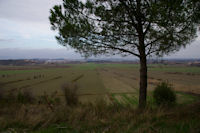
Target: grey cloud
(33, 18)
(191, 51)
(26, 10)
(37, 53)
(7, 40)
(15, 53)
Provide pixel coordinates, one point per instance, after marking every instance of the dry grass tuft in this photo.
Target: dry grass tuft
(70, 92)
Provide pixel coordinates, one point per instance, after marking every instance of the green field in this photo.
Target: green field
(112, 82)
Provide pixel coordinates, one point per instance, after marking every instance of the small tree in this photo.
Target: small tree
(164, 94)
(128, 27)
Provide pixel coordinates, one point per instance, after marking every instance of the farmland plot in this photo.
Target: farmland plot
(112, 82)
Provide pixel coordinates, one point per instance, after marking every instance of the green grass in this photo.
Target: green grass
(31, 71)
(116, 100)
(184, 98)
(2, 72)
(120, 65)
(182, 69)
(150, 100)
(92, 66)
(85, 66)
(129, 100)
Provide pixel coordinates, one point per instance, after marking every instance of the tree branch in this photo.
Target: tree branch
(112, 47)
(129, 14)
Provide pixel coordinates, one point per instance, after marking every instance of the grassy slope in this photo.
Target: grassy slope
(100, 118)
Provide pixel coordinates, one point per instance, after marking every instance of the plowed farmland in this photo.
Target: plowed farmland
(112, 82)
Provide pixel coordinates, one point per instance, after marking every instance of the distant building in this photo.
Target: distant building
(196, 63)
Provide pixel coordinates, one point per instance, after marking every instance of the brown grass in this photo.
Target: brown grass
(98, 117)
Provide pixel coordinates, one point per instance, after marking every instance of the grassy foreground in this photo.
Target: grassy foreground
(98, 118)
(42, 110)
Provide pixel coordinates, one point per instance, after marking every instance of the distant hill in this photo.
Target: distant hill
(22, 62)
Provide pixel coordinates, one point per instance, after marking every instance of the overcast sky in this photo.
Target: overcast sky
(25, 33)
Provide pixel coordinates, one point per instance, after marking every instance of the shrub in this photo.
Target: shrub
(43, 98)
(70, 93)
(164, 94)
(52, 99)
(25, 97)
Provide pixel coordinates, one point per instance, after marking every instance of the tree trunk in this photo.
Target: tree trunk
(143, 60)
(143, 81)
(143, 71)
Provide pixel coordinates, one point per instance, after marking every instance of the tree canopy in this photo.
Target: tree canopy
(114, 26)
(128, 27)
